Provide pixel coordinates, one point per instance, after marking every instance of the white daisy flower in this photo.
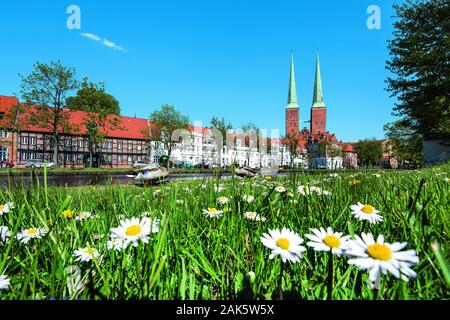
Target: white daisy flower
(84, 216)
(155, 225)
(4, 282)
(327, 193)
(33, 233)
(285, 243)
(213, 213)
(7, 207)
(253, 216)
(132, 230)
(219, 188)
(381, 257)
(115, 244)
(280, 189)
(316, 190)
(366, 212)
(156, 191)
(447, 180)
(248, 199)
(223, 200)
(326, 240)
(304, 190)
(179, 201)
(290, 194)
(4, 233)
(86, 254)
(334, 175)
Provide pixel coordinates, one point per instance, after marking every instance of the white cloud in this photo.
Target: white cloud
(91, 36)
(112, 45)
(105, 42)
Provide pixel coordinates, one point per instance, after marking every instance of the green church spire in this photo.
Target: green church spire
(318, 92)
(292, 95)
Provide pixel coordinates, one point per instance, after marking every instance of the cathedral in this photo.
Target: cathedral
(318, 123)
(310, 139)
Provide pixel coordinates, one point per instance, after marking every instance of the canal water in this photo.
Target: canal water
(89, 179)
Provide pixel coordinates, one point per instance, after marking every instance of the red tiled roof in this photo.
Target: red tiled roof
(6, 102)
(129, 128)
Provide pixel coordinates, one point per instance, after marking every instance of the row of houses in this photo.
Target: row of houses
(130, 142)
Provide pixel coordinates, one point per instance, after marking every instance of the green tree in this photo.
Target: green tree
(101, 113)
(369, 151)
(251, 132)
(223, 127)
(166, 121)
(404, 143)
(45, 88)
(291, 142)
(419, 62)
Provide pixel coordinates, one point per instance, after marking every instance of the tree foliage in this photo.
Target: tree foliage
(404, 143)
(420, 64)
(222, 126)
(369, 151)
(291, 142)
(101, 113)
(46, 88)
(166, 120)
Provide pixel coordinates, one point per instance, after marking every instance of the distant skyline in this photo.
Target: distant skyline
(213, 58)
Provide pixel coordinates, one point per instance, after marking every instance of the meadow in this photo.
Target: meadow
(204, 239)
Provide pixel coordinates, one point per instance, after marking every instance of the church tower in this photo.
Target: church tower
(318, 109)
(292, 109)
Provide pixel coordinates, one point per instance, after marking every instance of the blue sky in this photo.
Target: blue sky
(225, 57)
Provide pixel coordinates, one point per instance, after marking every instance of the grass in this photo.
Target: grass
(195, 257)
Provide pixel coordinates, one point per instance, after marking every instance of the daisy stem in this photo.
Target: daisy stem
(330, 276)
(280, 281)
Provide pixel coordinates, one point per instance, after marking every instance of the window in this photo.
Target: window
(119, 146)
(32, 141)
(67, 143)
(3, 154)
(110, 158)
(27, 155)
(3, 133)
(119, 158)
(130, 146)
(68, 157)
(139, 147)
(24, 140)
(129, 159)
(80, 143)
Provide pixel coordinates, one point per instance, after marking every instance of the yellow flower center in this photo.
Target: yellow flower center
(332, 241)
(32, 232)
(133, 230)
(368, 209)
(379, 252)
(2, 206)
(354, 182)
(283, 243)
(69, 214)
(212, 210)
(90, 251)
(251, 214)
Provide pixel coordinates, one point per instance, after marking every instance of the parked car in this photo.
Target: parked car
(6, 164)
(38, 163)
